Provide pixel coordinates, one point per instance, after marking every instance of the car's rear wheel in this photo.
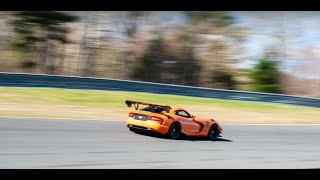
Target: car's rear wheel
(213, 132)
(174, 131)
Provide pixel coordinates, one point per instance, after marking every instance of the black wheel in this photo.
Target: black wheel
(131, 129)
(174, 131)
(213, 133)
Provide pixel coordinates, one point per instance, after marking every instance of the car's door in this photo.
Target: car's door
(187, 123)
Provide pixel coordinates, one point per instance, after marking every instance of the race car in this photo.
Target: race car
(171, 121)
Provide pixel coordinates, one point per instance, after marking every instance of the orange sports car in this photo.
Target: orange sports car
(168, 120)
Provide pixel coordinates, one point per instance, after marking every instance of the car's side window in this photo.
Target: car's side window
(182, 113)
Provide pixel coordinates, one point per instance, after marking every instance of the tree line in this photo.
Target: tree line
(197, 53)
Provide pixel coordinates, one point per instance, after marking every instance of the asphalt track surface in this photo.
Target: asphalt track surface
(60, 143)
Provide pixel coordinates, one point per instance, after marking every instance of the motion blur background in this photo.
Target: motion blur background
(275, 52)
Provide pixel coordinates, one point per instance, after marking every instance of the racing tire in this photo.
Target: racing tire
(174, 131)
(213, 132)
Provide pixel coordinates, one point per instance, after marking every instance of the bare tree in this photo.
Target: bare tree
(128, 24)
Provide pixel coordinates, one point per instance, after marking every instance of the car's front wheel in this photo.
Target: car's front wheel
(174, 131)
(213, 132)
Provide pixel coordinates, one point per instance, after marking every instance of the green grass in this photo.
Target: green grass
(114, 101)
(117, 98)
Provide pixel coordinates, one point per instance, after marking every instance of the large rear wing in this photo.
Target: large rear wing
(136, 105)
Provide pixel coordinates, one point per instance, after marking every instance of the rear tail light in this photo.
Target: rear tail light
(131, 114)
(153, 118)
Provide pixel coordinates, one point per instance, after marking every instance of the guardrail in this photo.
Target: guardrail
(42, 80)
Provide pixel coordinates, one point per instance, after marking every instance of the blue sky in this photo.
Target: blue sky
(299, 35)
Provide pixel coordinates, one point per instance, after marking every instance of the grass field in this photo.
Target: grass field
(109, 105)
